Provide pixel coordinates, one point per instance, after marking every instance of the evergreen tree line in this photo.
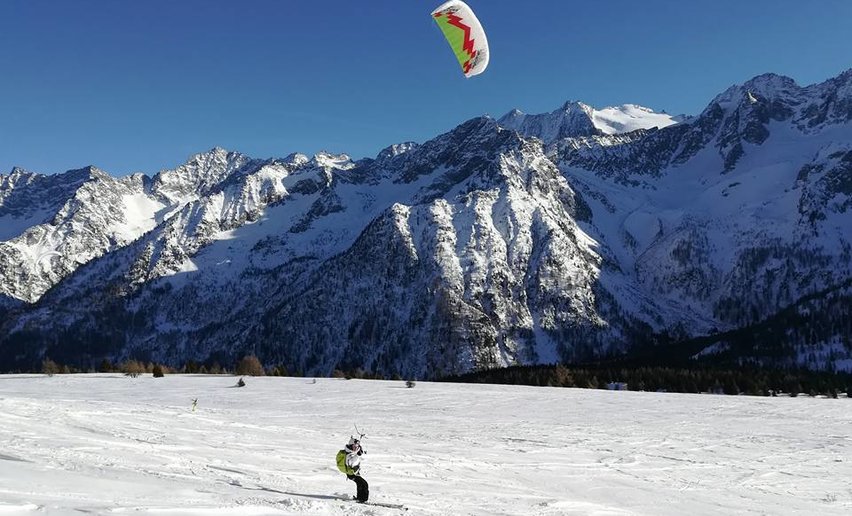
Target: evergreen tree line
(750, 381)
(756, 382)
(816, 331)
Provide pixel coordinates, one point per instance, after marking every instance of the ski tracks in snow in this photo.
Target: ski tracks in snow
(103, 444)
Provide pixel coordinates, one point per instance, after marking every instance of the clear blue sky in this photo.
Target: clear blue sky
(141, 85)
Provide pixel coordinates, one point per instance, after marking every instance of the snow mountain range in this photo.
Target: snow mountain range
(565, 236)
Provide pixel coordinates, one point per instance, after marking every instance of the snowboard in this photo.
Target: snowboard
(383, 504)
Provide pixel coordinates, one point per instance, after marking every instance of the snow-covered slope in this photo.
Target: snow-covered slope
(53, 224)
(739, 220)
(630, 117)
(480, 248)
(106, 444)
(576, 119)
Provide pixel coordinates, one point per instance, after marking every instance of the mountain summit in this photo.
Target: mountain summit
(576, 119)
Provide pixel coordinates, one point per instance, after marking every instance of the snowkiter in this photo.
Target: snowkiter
(349, 463)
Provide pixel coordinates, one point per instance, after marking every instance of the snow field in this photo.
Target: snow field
(108, 444)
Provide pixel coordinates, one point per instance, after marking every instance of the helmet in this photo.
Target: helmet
(353, 442)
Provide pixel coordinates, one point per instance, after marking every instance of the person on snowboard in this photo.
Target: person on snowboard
(349, 463)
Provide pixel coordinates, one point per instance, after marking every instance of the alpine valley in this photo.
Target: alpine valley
(561, 237)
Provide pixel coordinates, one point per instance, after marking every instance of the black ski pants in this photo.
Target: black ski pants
(363, 488)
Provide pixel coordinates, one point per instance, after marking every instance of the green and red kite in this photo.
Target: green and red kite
(465, 35)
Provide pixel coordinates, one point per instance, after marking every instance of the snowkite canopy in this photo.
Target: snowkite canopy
(465, 35)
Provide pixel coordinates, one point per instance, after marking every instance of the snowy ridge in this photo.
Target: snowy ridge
(198, 176)
(576, 119)
(533, 238)
(97, 215)
(629, 118)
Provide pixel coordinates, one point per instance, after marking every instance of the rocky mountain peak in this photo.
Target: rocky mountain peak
(578, 120)
(330, 160)
(16, 173)
(573, 119)
(199, 175)
(16, 177)
(769, 89)
(396, 150)
(297, 159)
(87, 173)
(575, 106)
(771, 85)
